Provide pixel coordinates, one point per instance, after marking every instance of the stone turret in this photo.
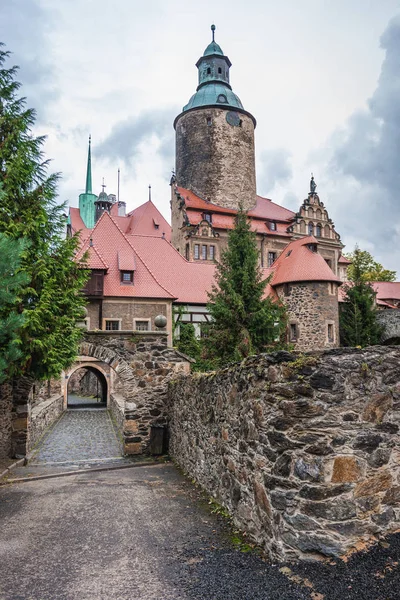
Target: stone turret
(215, 137)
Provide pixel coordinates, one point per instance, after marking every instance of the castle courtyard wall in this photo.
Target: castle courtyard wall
(303, 450)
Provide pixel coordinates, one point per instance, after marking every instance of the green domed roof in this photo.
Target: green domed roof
(213, 94)
(213, 48)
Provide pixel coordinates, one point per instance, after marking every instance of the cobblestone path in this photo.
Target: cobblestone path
(80, 435)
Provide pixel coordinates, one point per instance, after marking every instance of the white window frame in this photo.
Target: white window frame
(141, 320)
(111, 319)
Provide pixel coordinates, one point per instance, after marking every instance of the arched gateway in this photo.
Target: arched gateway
(136, 369)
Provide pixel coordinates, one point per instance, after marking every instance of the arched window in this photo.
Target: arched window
(222, 99)
(310, 229)
(318, 230)
(318, 214)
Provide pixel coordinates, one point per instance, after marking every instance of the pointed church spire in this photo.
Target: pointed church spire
(89, 169)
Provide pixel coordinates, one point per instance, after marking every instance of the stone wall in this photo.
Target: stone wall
(42, 416)
(302, 449)
(390, 319)
(5, 420)
(311, 307)
(142, 365)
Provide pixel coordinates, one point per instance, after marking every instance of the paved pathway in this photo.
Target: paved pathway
(89, 401)
(147, 534)
(81, 435)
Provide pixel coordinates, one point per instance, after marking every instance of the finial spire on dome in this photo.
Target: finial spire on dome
(88, 189)
(213, 28)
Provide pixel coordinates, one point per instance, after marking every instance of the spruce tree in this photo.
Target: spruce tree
(244, 322)
(11, 284)
(50, 302)
(358, 315)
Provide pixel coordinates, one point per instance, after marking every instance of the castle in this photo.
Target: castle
(142, 267)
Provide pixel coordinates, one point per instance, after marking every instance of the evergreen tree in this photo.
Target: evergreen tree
(243, 321)
(358, 322)
(12, 282)
(51, 302)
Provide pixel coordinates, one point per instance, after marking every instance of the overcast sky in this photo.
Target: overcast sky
(322, 78)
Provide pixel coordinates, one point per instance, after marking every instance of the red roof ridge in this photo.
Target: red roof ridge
(139, 256)
(87, 247)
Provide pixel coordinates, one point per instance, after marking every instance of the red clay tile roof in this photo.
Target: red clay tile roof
(298, 263)
(77, 224)
(344, 261)
(144, 219)
(94, 259)
(228, 222)
(115, 249)
(387, 290)
(264, 208)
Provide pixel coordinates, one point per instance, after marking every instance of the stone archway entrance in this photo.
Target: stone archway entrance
(87, 388)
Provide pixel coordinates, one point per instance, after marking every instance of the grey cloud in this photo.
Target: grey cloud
(127, 136)
(366, 159)
(24, 27)
(274, 169)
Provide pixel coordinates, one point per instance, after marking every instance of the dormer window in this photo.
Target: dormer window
(222, 99)
(272, 225)
(312, 247)
(127, 277)
(207, 217)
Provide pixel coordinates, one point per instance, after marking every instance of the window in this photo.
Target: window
(204, 252)
(286, 289)
(207, 217)
(142, 325)
(222, 99)
(187, 252)
(211, 252)
(312, 247)
(112, 324)
(126, 276)
(292, 332)
(196, 251)
(310, 229)
(208, 71)
(219, 70)
(331, 333)
(328, 262)
(272, 226)
(331, 287)
(271, 258)
(318, 231)
(209, 121)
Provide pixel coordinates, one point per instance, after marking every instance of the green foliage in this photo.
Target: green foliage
(12, 282)
(243, 321)
(367, 267)
(50, 301)
(188, 343)
(358, 322)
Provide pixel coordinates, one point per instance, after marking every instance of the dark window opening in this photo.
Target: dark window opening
(286, 289)
(211, 252)
(204, 252)
(94, 286)
(318, 231)
(209, 121)
(292, 332)
(112, 325)
(328, 262)
(126, 276)
(219, 70)
(310, 229)
(312, 247)
(196, 252)
(207, 217)
(142, 326)
(272, 226)
(187, 251)
(271, 258)
(331, 334)
(208, 71)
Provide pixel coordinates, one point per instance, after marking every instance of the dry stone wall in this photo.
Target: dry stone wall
(302, 449)
(6, 408)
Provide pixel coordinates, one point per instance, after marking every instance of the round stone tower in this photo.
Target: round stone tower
(215, 138)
